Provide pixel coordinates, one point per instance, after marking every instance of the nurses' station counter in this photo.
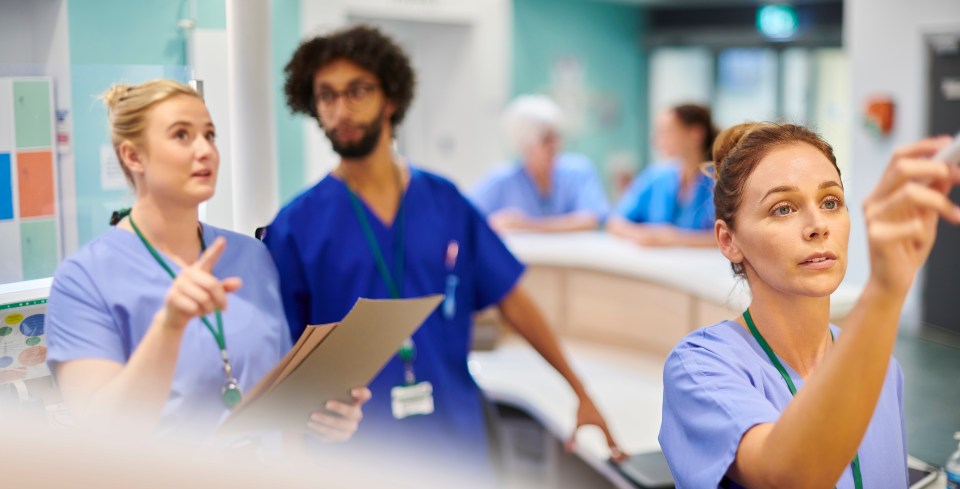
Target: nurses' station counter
(619, 310)
(605, 289)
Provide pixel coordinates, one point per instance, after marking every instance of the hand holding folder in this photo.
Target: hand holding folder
(327, 362)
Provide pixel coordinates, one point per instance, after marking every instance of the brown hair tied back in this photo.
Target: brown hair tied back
(693, 115)
(739, 149)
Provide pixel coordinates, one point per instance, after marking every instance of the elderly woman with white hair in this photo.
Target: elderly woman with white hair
(542, 190)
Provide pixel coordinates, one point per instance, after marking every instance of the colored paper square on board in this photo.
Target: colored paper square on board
(33, 115)
(35, 184)
(6, 188)
(38, 244)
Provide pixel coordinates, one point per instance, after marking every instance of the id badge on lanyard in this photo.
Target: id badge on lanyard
(412, 400)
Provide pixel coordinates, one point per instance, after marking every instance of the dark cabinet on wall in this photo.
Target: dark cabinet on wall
(941, 287)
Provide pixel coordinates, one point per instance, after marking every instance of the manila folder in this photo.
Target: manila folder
(327, 362)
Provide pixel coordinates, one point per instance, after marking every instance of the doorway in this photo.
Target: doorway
(941, 286)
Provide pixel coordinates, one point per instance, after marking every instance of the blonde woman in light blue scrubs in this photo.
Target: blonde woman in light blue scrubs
(162, 323)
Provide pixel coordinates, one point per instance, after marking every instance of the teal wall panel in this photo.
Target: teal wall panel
(600, 44)
(113, 41)
(291, 166)
(32, 114)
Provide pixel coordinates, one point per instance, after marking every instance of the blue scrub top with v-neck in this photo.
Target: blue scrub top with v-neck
(103, 300)
(326, 264)
(575, 187)
(718, 383)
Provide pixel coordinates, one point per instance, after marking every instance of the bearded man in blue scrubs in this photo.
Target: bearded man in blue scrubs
(380, 227)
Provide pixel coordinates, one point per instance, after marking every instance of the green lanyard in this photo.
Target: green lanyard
(231, 390)
(394, 282)
(855, 465)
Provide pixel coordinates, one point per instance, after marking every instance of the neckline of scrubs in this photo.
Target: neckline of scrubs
(366, 208)
(208, 237)
(543, 201)
(685, 199)
(744, 333)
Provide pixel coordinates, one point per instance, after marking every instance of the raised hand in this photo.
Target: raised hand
(902, 212)
(196, 291)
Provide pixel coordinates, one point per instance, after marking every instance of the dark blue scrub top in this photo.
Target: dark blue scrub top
(325, 264)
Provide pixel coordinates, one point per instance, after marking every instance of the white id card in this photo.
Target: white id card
(412, 400)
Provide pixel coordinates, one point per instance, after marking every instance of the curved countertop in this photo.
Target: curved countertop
(701, 272)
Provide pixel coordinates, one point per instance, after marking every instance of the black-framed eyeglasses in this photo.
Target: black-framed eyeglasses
(355, 96)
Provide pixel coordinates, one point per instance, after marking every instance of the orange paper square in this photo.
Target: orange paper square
(35, 184)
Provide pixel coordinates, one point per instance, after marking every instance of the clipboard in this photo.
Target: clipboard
(327, 362)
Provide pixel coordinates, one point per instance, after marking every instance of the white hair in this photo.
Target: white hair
(529, 118)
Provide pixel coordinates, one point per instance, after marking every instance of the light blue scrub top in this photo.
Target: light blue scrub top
(654, 198)
(718, 383)
(574, 188)
(326, 264)
(103, 300)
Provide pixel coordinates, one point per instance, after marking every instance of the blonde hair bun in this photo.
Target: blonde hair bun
(115, 94)
(730, 138)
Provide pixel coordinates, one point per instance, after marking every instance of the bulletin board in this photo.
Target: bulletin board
(30, 234)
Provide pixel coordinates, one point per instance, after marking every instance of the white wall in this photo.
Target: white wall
(462, 53)
(885, 44)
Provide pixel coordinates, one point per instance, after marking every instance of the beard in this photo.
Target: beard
(365, 145)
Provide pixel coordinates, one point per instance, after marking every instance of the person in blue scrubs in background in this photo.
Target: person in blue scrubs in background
(671, 202)
(779, 397)
(138, 351)
(379, 227)
(544, 190)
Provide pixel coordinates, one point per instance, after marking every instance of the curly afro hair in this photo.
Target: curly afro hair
(363, 45)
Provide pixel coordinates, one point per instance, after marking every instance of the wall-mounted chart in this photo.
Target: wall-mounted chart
(23, 345)
(30, 236)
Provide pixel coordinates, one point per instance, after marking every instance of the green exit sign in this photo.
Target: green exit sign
(777, 21)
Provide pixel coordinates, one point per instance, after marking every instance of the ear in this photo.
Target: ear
(389, 108)
(726, 241)
(131, 157)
